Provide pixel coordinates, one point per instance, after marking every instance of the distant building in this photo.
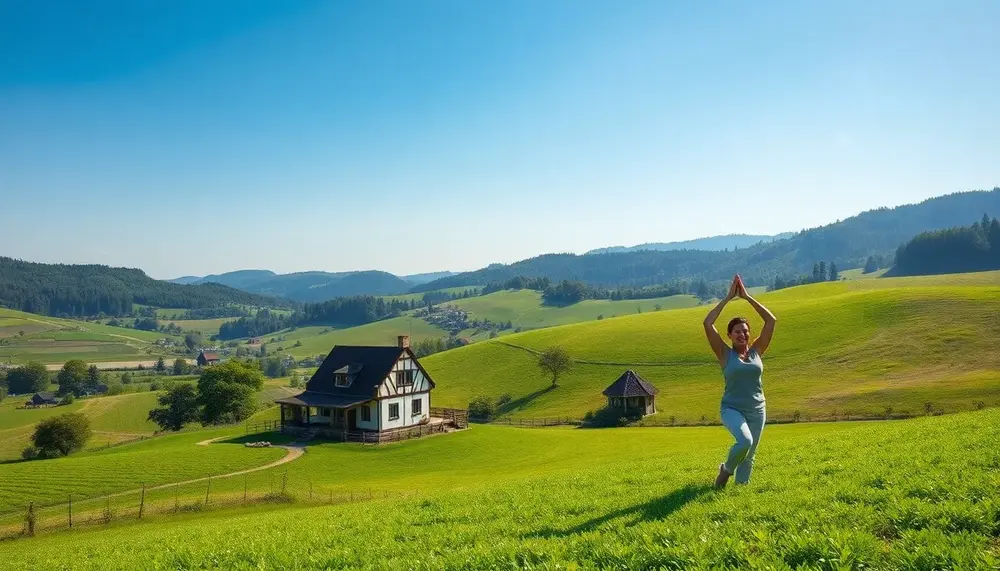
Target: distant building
(206, 358)
(632, 393)
(42, 399)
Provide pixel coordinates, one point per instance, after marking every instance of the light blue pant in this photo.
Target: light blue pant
(745, 426)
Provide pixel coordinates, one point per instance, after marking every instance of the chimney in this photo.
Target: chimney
(404, 341)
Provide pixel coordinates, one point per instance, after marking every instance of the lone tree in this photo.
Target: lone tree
(181, 367)
(30, 378)
(160, 365)
(73, 377)
(93, 376)
(227, 392)
(61, 435)
(555, 361)
(179, 407)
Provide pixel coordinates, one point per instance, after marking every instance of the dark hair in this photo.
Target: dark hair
(734, 322)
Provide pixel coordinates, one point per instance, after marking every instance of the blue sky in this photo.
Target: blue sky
(192, 137)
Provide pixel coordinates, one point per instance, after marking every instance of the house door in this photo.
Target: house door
(352, 418)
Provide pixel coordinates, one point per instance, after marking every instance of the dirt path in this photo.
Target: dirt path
(293, 453)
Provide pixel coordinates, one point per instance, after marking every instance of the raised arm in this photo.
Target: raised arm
(714, 339)
(761, 342)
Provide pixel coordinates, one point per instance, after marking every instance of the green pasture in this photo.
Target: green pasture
(914, 494)
(524, 308)
(905, 344)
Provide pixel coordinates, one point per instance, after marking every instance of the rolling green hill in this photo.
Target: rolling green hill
(915, 494)
(51, 340)
(851, 347)
(83, 290)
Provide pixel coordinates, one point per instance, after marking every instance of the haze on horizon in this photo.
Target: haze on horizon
(189, 138)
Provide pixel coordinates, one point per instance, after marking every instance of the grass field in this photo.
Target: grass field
(525, 309)
(157, 461)
(915, 494)
(849, 347)
(315, 342)
(419, 296)
(51, 340)
(206, 327)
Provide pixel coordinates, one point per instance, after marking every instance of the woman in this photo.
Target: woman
(742, 408)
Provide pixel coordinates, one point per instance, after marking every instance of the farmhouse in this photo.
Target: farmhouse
(207, 358)
(362, 390)
(632, 393)
(40, 399)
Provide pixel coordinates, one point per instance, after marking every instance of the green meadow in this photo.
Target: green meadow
(53, 341)
(524, 308)
(915, 494)
(315, 342)
(864, 348)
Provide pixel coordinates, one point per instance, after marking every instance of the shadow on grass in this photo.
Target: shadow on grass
(656, 509)
(524, 401)
(272, 437)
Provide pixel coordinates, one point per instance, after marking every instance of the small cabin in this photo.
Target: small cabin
(206, 358)
(43, 399)
(632, 393)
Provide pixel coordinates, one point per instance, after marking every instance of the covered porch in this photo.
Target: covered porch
(319, 411)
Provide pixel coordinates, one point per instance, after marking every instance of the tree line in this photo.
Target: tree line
(960, 249)
(62, 290)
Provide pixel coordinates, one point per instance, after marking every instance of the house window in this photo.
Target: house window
(366, 413)
(418, 407)
(404, 378)
(340, 380)
(394, 411)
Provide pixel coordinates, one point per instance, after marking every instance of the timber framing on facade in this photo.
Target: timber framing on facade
(363, 389)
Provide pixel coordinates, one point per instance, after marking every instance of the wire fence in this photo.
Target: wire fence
(79, 511)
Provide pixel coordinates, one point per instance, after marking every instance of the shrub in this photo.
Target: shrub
(68, 399)
(126, 378)
(503, 400)
(61, 435)
(30, 453)
(482, 407)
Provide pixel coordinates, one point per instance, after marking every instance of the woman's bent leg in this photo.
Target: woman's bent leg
(755, 422)
(737, 425)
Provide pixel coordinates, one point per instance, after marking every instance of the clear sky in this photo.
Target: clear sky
(193, 137)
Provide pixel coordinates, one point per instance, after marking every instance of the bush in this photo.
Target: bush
(503, 400)
(68, 399)
(482, 407)
(30, 453)
(115, 389)
(61, 435)
(126, 378)
(154, 386)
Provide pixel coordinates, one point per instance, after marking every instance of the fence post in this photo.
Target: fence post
(71, 511)
(142, 500)
(30, 520)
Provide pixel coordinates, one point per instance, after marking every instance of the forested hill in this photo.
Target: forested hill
(79, 290)
(847, 243)
(971, 248)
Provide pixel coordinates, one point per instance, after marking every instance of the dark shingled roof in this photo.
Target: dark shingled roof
(43, 397)
(367, 366)
(630, 385)
(324, 400)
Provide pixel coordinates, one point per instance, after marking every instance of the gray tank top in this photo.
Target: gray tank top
(744, 381)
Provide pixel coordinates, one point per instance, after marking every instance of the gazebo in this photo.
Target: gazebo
(632, 393)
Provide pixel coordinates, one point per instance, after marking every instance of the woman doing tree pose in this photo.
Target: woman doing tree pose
(742, 408)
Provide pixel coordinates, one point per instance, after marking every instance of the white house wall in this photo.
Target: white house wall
(406, 418)
(373, 423)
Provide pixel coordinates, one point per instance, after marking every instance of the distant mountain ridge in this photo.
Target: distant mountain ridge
(711, 243)
(847, 243)
(315, 286)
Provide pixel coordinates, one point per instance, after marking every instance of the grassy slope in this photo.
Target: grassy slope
(314, 342)
(206, 327)
(53, 340)
(917, 494)
(850, 346)
(112, 419)
(160, 460)
(524, 308)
